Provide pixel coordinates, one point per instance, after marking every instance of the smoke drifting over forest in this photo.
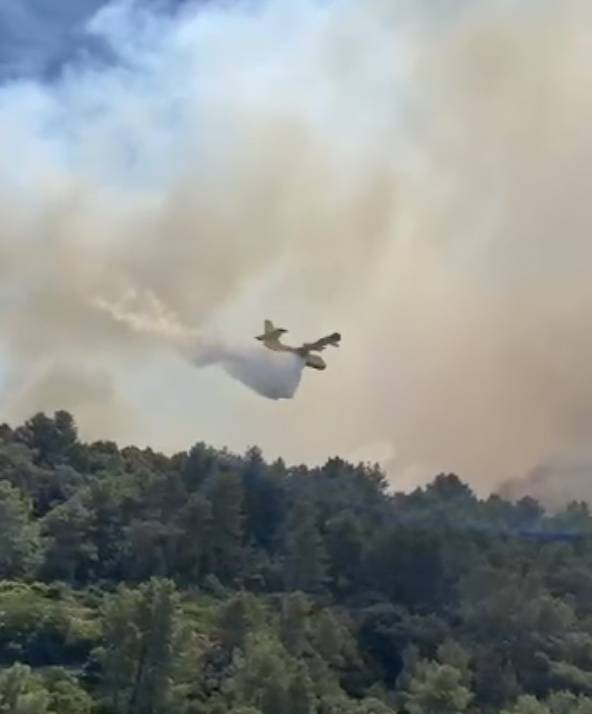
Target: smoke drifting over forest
(414, 179)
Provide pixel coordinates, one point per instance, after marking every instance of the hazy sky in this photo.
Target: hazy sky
(411, 174)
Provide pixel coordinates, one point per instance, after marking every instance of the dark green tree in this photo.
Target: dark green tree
(53, 440)
(294, 620)
(19, 534)
(22, 692)
(305, 562)
(241, 616)
(144, 647)
(70, 550)
(436, 689)
(225, 543)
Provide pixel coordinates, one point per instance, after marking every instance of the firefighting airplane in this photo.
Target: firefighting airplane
(271, 339)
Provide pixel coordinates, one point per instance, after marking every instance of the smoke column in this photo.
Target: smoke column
(414, 175)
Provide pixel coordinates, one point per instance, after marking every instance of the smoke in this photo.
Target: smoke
(89, 393)
(270, 374)
(177, 173)
(415, 178)
(555, 482)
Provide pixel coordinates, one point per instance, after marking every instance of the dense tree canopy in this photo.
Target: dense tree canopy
(206, 582)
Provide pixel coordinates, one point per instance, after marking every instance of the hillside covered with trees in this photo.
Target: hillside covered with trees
(205, 583)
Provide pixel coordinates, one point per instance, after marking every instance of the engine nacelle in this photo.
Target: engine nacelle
(315, 361)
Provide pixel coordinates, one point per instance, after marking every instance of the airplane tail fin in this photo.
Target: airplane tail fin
(270, 331)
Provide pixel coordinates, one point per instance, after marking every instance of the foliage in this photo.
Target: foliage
(211, 583)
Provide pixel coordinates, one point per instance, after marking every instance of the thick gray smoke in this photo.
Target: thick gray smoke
(415, 178)
(555, 482)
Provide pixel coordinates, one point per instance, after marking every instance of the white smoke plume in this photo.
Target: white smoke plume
(412, 174)
(272, 375)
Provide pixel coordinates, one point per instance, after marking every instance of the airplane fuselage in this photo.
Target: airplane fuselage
(310, 360)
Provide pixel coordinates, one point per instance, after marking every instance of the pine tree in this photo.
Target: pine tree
(225, 543)
(22, 692)
(144, 647)
(305, 559)
(301, 699)
(70, 551)
(19, 536)
(239, 617)
(436, 689)
(294, 623)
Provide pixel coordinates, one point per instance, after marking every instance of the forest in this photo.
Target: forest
(206, 582)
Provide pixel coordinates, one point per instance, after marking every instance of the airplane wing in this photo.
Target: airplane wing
(320, 345)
